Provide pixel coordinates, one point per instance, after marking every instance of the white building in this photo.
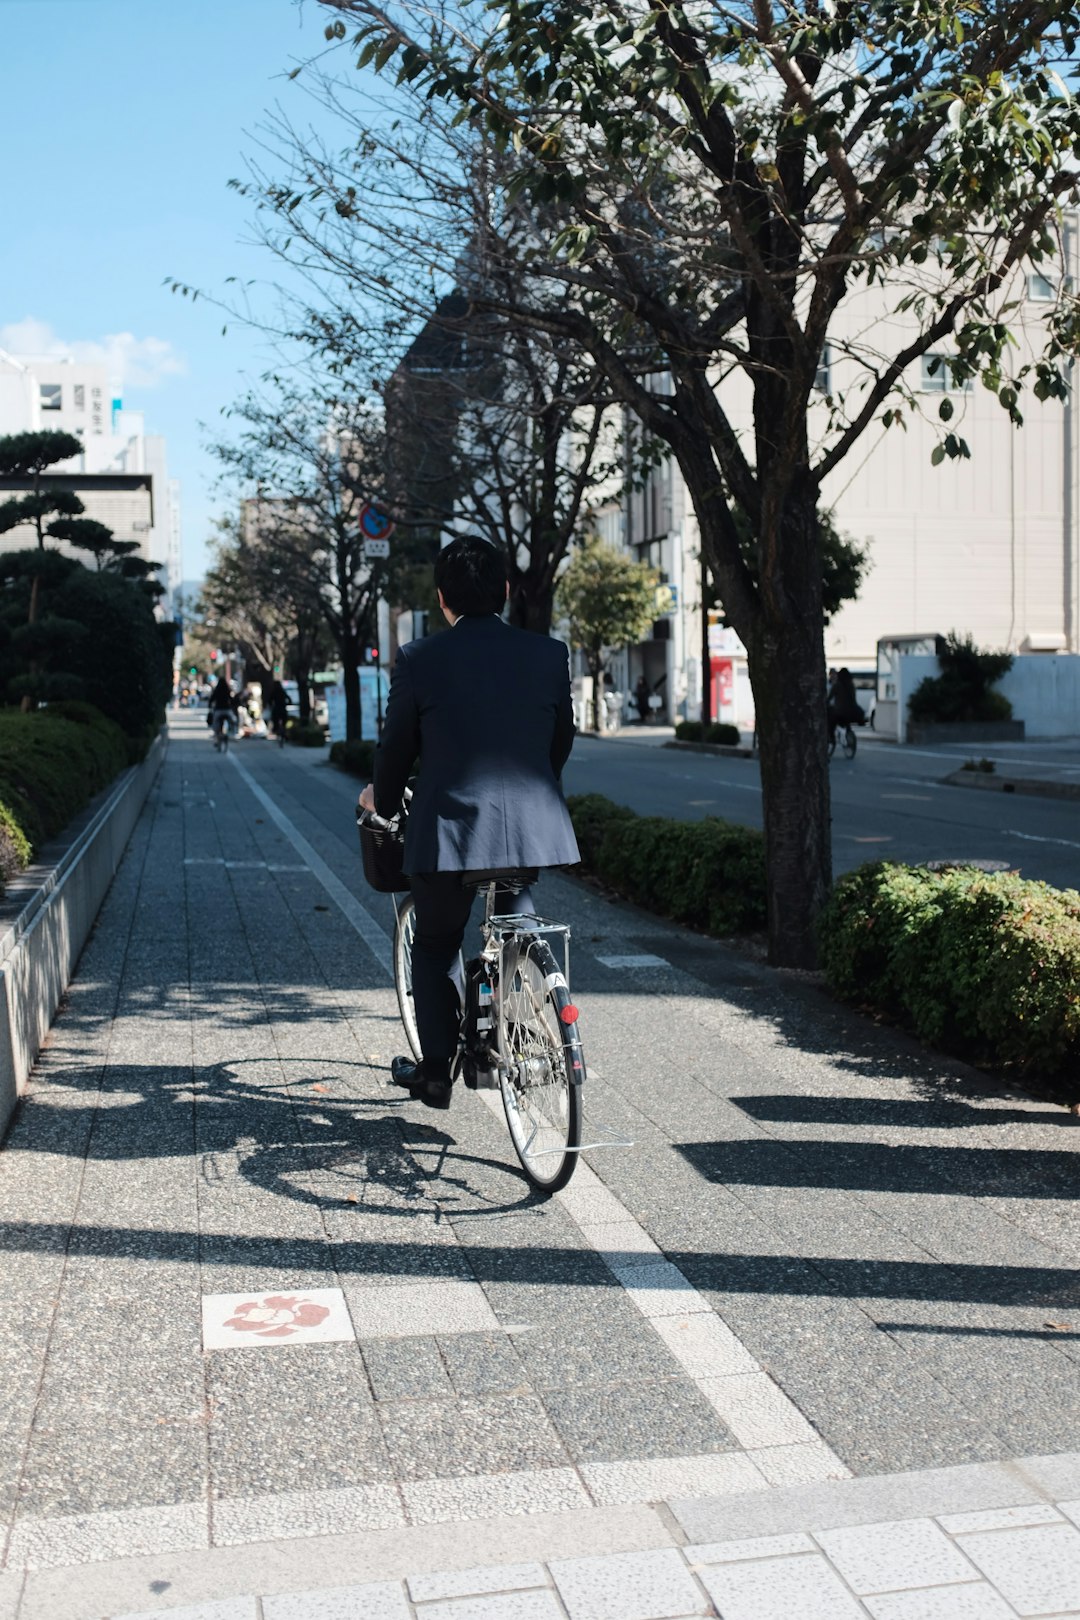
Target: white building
(122, 474)
(987, 546)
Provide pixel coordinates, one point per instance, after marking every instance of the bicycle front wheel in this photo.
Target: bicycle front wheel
(850, 743)
(542, 1066)
(404, 931)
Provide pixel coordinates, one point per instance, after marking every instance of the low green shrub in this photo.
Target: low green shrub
(964, 690)
(986, 964)
(718, 731)
(51, 766)
(14, 848)
(356, 757)
(709, 874)
(305, 736)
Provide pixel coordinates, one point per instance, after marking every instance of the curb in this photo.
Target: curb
(41, 944)
(1033, 786)
(731, 750)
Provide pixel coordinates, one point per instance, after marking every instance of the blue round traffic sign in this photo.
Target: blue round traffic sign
(374, 523)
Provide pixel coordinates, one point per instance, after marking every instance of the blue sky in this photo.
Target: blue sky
(129, 117)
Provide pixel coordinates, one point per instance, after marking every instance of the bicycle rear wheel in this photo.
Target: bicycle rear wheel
(542, 1065)
(850, 743)
(404, 931)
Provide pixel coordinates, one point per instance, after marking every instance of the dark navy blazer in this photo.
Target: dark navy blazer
(486, 710)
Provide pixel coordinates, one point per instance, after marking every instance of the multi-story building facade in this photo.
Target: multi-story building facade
(121, 475)
(988, 545)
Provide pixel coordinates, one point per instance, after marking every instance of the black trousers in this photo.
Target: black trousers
(443, 907)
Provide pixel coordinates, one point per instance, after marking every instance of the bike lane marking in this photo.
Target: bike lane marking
(372, 933)
(775, 1436)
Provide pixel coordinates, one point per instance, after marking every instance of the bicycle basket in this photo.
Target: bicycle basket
(382, 850)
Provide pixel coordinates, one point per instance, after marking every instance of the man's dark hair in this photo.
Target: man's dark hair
(471, 574)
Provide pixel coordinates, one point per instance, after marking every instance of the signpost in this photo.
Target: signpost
(376, 527)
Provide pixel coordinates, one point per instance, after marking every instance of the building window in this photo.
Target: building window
(80, 396)
(938, 378)
(823, 374)
(1040, 289)
(51, 397)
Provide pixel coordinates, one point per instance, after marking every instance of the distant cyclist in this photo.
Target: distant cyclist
(222, 708)
(843, 705)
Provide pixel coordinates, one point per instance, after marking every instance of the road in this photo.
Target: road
(888, 801)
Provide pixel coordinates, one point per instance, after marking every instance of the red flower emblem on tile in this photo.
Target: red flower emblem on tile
(277, 1316)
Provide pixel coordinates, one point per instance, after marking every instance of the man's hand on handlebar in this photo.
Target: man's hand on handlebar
(367, 799)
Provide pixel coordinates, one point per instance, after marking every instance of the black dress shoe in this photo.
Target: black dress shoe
(404, 1072)
(433, 1093)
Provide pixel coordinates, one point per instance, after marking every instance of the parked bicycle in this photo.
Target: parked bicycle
(519, 1025)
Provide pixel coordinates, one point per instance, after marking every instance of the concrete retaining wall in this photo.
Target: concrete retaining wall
(46, 917)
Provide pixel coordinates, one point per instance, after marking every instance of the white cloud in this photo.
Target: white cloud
(132, 362)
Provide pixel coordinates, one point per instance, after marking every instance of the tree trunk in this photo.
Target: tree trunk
(350, 658)
(531, 603)
(787, 672)
(782, 627)
(596, 670)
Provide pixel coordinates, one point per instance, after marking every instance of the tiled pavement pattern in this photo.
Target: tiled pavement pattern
(874, 1254)
(990, 1565)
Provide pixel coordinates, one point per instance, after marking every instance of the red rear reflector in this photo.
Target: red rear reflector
(569, 1015)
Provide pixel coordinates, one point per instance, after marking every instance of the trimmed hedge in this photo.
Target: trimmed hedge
(52, 763)
(985, 964)
(356, 757)
(305, 736)
(709, 874)
(718, 731)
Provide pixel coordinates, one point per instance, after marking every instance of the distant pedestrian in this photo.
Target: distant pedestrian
(641, 699)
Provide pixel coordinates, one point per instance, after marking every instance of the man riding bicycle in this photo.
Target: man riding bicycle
(222, 708)
(486, 710)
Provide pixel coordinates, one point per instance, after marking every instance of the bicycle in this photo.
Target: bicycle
(848, 741)
(519, 1026)
(223, 723)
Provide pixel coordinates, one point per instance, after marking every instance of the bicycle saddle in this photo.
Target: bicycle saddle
(515, 878)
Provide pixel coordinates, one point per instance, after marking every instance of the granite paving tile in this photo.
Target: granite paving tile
(431, 1305)
(482, 1363)
(399, 1368)
(239, 1520)
(91, 1467)
(594, 1354)
(1037, 1570)
(485, 1496)
(294, 1418)
(895, 1556)
(628, 1586)
(773, 1587)
(471, 1435)
(975, 1602)
(635, 1420)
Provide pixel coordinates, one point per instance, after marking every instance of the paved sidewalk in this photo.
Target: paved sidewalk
(268, 1329)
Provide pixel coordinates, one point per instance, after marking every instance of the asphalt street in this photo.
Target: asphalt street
(887, 802)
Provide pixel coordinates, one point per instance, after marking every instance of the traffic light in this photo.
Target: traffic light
(371, 655)
(193, 671)
(213, 657)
